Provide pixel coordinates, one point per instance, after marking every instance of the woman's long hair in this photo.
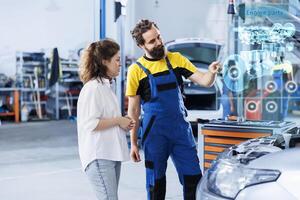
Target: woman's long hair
(91, 63)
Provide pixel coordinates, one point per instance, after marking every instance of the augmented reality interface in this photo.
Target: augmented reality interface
(261, 74)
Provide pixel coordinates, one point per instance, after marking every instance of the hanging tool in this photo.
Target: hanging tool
(33, 94)
(70, 106)
(39, 109)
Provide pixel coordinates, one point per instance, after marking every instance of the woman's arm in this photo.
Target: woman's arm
(124, 122)
(107, 123)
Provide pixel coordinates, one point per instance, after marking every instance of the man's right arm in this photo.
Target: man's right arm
(134, 111)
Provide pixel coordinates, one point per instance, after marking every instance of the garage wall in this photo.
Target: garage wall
(180, 19)
(34, 24)
(69, 24)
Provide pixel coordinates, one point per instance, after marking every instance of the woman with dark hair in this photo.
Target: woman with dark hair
(101, 128)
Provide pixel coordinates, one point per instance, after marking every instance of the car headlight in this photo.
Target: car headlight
(227, 178)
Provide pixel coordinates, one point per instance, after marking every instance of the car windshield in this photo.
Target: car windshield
(201, 54)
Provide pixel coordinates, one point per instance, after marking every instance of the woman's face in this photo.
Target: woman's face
(113, 65)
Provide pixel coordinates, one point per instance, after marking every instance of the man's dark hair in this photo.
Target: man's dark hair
(140, 28)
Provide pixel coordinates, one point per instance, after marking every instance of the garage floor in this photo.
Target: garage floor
(39, 161)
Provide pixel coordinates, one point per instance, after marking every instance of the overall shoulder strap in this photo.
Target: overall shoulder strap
(151, 80)
(171, 69)
(144, 68)
(169, 64)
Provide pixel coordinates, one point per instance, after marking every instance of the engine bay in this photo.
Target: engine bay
(253, 149)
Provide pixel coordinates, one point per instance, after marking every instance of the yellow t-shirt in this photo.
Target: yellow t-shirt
(287, 67)
(138, 82)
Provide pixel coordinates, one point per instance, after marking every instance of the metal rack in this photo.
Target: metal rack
(67, 89)
(31, 79)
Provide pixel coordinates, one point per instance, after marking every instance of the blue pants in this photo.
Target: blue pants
(104, 176)
(170, 137)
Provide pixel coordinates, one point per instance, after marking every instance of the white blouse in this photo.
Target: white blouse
(97, 101)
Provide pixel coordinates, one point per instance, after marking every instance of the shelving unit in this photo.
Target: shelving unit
(31, 78)
(67, 90)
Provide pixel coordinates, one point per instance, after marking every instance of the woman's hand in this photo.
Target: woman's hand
(126, 123)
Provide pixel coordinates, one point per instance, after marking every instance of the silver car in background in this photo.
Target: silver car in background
(255, 170)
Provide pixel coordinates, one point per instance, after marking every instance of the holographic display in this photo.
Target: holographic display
(262, 34)
(262, 75)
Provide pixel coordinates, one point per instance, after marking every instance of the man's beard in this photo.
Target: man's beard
(157, 53)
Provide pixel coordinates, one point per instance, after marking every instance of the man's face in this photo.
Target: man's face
(153, 44)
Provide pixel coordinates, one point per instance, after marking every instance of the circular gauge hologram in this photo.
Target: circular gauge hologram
(289, 29)
(271, 106)
(233, 71)
(291, 86)
(271, 86)
(251, 106)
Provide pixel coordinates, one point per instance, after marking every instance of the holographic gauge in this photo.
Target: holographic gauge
(291, 86)
(271, 86)
(233, 73)
(271, 106)
(251, 106)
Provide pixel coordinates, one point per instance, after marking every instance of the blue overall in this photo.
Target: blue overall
(284, 96)
(225, 101)
(165, 132)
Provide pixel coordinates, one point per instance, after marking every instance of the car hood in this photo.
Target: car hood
(288, 163)
(287, 160)
(266, 153)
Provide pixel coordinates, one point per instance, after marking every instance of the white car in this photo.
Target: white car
(256, 169)
(200, 102)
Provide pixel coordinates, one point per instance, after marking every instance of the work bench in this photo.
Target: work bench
(9, 93)
(217, 135)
